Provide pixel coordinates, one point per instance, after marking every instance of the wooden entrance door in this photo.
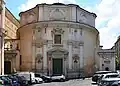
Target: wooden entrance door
(57, 66)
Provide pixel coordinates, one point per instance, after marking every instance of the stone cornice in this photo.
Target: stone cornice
(75, 43)
(67, 24)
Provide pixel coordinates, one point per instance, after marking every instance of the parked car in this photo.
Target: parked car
(38, 80)
(99, 73)
(30, 76)
(14, 80)
(21, 80)
(108, 81)
(58, 78)
(44, 77)
(117, 83)
(1, 82)
(108, 75)
(6, 80)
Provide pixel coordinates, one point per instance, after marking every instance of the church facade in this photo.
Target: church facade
(58, 39)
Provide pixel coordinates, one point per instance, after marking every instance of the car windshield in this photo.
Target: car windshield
(111, 76)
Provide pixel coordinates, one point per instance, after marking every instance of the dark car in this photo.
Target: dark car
(1, 82)
(21, 80)
(6, 80)
(14, 80)
(98, 74)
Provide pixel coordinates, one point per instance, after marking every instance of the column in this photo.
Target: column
(81, 56)
(70, 55)
(45, 56)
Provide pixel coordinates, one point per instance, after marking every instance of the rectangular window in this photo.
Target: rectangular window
(57, 39)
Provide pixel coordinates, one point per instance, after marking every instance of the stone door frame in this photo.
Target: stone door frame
(62, 53)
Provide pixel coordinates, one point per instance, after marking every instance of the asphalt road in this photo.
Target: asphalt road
(76, 82)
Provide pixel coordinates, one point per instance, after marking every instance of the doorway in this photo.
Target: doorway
(7, 67)
(57, 66)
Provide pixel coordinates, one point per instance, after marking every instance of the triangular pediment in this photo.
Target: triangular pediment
(57, 50)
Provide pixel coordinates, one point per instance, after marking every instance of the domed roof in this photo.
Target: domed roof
(58, 4)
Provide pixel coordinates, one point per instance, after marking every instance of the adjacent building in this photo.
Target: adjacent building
(58, 39)
(117, 48)
(107, 59)
(11, 51)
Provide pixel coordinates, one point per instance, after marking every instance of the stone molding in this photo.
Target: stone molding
(64, 51)
(63, 24)
(69, 42)
(75, 56)
(45, 42)
(75, 44)
(81, 43)
(57, 30)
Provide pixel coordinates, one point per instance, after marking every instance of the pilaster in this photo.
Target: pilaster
(45, 55)
(81, 55)
(70, 54)
(33, 56)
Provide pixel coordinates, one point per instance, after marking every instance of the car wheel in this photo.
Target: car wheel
(46, 80)
(62, 80)
(83, 78)
(36, 81)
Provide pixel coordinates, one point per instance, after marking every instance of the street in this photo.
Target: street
(76, 82)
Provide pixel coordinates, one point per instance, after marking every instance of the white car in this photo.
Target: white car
(58, 77)
(109, 75)
(38, 80)
(109, 82)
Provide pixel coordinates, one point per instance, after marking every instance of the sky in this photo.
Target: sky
(107, 21)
